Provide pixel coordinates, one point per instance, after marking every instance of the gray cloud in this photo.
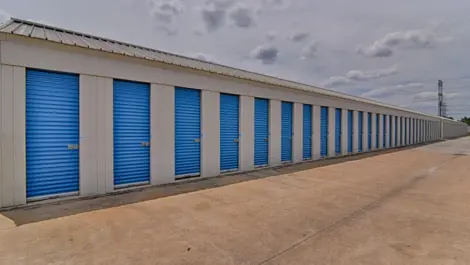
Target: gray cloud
(266, 53)
(213, 17)
(411, 39)
(299, 36)
(242, 16)
(386, 91)
(360, 75)
(166, 10)
(271, 35)
(432, 96)
(309, 51)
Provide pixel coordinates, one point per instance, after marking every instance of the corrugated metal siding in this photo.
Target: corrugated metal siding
(307, 132)
(350, 130)
(324, 132)
(360, 133)
(369, 131)
(338, 130)
(286, 132)
(131, 132)
(187, 132)
(377, 130)
(261, 132)
(52, 133)
(229, 132)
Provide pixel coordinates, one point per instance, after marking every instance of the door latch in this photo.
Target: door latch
(236, 140)
(197, 140)
(72, 146)
(145, 144)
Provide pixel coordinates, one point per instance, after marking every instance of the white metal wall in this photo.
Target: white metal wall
(96, 116)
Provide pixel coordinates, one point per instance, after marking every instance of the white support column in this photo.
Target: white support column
(381, 131)
(96, 135)
(210, 143)
(316, 123)
(13, 133)
(274, 132)
(355, 131)
(416, 131)
(392, 132)
(162, 147)
(298, 133)
(331, 132)
(387, 131)
(247, 133)
(365, 147)
(374, 132)
(344, 133)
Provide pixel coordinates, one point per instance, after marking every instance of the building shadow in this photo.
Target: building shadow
(42, 211)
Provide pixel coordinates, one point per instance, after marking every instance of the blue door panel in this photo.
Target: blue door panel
(338, 130)
(384, 130)
(390, 130)
(350, 131)
(377, 130)
(261, 132)
(307, 132)
(324, 132)
(52, 133)
(131, 126)
(360, 133)
(229, 132)
(369, 131)
(286, 131)
(187, 132)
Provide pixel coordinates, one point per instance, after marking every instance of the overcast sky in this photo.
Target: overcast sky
(391, 51)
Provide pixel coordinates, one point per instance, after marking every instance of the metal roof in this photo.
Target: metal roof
(41, 31)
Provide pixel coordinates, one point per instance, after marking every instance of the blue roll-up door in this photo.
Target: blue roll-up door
(307, 132)
(377, 130)
(401, 131)
(187, 132)
(261, 132)
(286, 132)
(413, 132)
(131, 124)
(360, 133)
(384, 128)
(406, 131)
(369, 131)
(338, 130)
(350, 130)
(324, 132)
(396, 131)
(390, 117)
(52, 133)
(229, 132)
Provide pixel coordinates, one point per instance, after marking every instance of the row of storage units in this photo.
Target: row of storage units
(53, 135)
(83, 116)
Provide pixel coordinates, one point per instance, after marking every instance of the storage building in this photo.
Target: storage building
(83, 115)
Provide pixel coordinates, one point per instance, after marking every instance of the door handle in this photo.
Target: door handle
(266, 139)
(197, 140)
(145, 144)
(72, 146)
(236, 140)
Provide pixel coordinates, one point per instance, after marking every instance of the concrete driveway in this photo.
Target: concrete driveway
(406, 207)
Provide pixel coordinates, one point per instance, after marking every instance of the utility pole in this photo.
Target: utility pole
(441, 104)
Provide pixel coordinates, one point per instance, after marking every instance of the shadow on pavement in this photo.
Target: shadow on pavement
(44, 211)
